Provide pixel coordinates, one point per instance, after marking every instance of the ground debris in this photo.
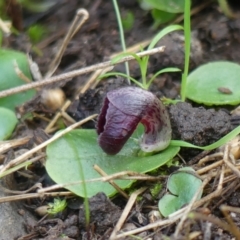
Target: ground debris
(198, 125)
(103, 214)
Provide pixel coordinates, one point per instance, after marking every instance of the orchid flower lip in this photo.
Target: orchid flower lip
(123, 109)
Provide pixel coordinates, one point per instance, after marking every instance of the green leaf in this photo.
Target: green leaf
(165, 70)
(9, 78)
(157, 37)
(37, 32)
(8, 121)
(145, 5)
(105, 75)
(226, 9)
(128, 20)
(161, 17)
(1, 38)
(203, 83)
(37, 6)
(172, 6)
(78, 151)
(220, 142)
(182, 185)
(162, 33)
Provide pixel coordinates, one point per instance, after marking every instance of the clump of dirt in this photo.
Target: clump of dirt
(91, 101)
(198, 125)
(103, 214)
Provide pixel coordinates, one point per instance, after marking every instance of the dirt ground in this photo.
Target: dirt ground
(214, 37)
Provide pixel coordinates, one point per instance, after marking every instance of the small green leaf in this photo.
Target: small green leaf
(8, 121)
(203, 83)
(36, 33)
(37, 6)
(162, 33)
(57, 206)
(172, 6)
(165, 70)
(161, 17)
(79, 149)
(105, 75)
(9, 78)
(128, 20)
(226, 9)
(182, 186)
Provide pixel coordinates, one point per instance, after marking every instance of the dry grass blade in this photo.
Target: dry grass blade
(210, 158)
(230, 226)
(22, 158)
(75, 73)
(212, 219)
(5, 26)
(234, 229)
(230, 165)
(209, 167)
(157, 224)
(101, 172)
(126, 211)
(127, 175)
(6, 190)
(80, 18)
(6, 145)
(57, 116)
(19, 166)
(33, 195)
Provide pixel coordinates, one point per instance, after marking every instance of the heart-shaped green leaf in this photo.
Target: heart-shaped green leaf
(78, 151)
(182, 185)
(10, 79)
(8, 121)
(205, 83)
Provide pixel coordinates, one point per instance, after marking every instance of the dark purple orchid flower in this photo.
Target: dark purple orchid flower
(123, 109)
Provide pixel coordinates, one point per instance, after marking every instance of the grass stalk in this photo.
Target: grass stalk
(187, 47)
(121, 32)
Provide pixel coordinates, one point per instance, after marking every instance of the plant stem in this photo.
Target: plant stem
(121, 32)
(187, 46)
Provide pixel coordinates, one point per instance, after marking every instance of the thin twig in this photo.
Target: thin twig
(101, 172)
(211, 219)
(56, 117)
(80, 18)
(149, 227)
(76, 73)
(230, 165)
(22, 157)
(119, 175)
(234, 229)
(5, 26)
(126, 211)
(33, 195)
(209, 167)
(24, 164)
(20, 74)
(6, 145)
